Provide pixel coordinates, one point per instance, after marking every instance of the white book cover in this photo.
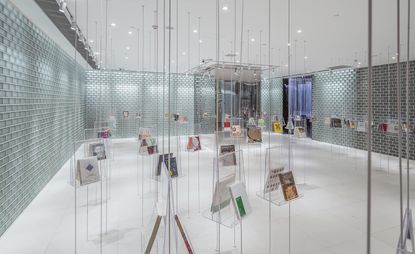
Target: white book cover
(221, 196)
(88, 171)
(240, 200)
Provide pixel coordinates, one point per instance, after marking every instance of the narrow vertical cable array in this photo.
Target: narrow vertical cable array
(407, 101)
(369, 132)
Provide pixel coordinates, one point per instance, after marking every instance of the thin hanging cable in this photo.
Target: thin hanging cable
(269, 122)
(407, 101)
(369, 132)
(398, 80)
(188, 42)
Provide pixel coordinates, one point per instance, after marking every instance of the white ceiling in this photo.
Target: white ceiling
(335, 32)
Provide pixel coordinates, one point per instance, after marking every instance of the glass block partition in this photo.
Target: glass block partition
(42, 111)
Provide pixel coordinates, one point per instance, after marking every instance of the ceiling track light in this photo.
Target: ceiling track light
(62, 5)
(73, 24)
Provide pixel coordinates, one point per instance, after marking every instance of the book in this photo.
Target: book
(299, 132)
(173, 166)
(289, 188)
(125, 114)
(160, 161)
(254, 135)
(98, 150)
(251, 122)
(273, 182)
(104, 133)
(144, 133)
(88, 171)
(148, 146)
(193, 144)
(183, 234)
(261, 122)
(227, 155)
(240, 200)
(277, 127)
(236, 131)
(335, 122)
(221, 196)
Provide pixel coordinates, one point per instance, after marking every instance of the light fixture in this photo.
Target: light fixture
(299, 31)
(91, 41)
(195, 31)
(73, 24)
(225, 8)
(127, 48)
(288, 44)
(126, 58)
(253, 39)
(393, 58)
(184, 53)
(62, 6)
(306, 57)
(130, 32)
(200, 41)
(113, 24)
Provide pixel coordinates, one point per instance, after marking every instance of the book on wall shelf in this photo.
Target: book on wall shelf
(335, 122)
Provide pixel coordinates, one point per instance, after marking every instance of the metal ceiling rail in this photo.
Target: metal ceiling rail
(65, 26)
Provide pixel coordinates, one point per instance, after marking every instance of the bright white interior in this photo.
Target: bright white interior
(329, 218)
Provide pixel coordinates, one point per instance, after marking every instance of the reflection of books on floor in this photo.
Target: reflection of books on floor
(193, 144)
(254, 135)
(240, 200)
(87, 171)
(289, 188)
(227, 155)
(221, 196)
(97, 149)
(273, 181)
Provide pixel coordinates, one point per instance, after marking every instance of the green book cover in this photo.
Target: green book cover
(241, 207)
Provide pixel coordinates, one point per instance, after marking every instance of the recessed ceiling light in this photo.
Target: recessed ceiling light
(195, 31)
(113, 24)
(393, 58)
(306, 57)
(288, 44)
(130, 32)
(225, 8)
(184, 53)
(126, 58)
(299, 31)
(200, 41)
(91, 41)
(253, 39)
(127, 48)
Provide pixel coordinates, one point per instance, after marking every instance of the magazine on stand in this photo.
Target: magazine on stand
(273, 182)
(221, 196)
(88, 171)
(254, 135)
(227, 155)
(97, 149)
(193, 144)
(240, 200)
(289, 188)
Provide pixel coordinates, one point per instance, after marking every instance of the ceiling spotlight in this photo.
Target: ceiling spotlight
(73, 24)
(195, 31)
(127, 48)
(126, 58)
(393, 58)
(184, 53)
(200, 41)
(130, 32)
(306, 57)
(62, 6)
(288, 44)
(113, 24)
(225, 8)
(91, 41)
(299, 31)
(253, 39)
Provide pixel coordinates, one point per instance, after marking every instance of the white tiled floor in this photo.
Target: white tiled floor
(330, 218)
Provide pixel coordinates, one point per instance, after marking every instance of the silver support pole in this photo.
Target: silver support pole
(407, 102)
(398, 78)
(369, 132)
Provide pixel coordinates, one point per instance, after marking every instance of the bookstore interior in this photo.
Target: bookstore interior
(194, 126)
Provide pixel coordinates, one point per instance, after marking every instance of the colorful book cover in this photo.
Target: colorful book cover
(173, 166)
(236, 131)
(240, 200)
(277, 127)
(273, 182)
(193, 144)
(88, 171)
(254, 135)
(289, 188)
(162, 157)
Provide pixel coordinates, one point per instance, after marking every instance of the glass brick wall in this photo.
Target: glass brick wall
(42, 111)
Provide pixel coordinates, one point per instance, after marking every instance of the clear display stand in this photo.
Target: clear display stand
(90, 168)
(271, 190)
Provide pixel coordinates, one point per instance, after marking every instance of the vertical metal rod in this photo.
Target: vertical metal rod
(398, 80)
(142, 44)
(269, 126)
(407, 101)
(217, 109)
(369, 132)
(289, 136)
(188, 41)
